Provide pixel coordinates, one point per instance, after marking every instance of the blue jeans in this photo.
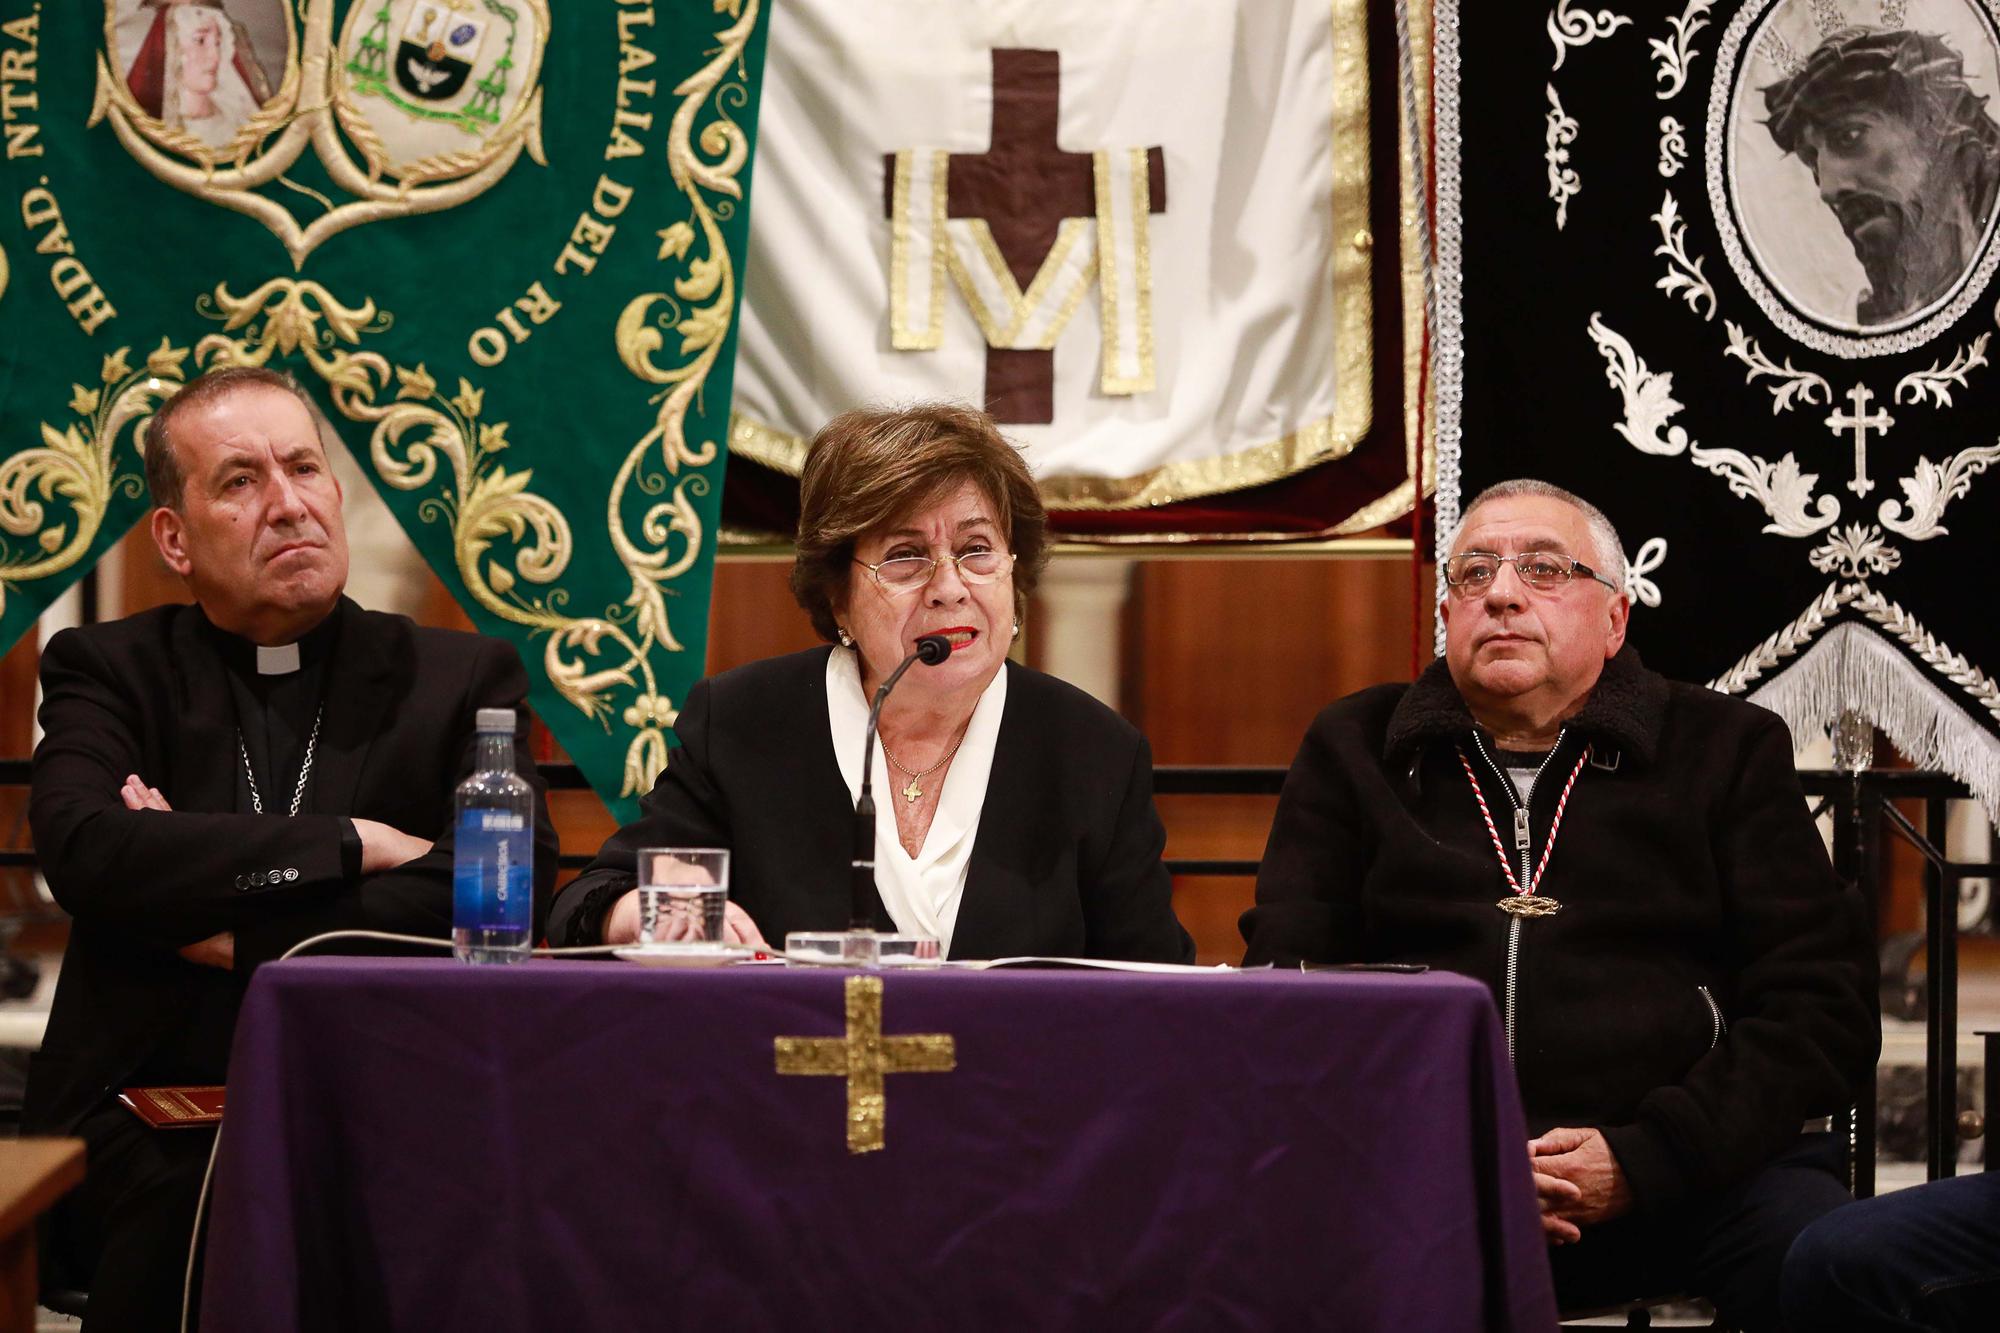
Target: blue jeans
(1922, 1258)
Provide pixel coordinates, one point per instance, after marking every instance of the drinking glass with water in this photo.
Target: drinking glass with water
(683, 897)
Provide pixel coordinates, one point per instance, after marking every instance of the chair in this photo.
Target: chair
(65, 1300)
(1638, 1313)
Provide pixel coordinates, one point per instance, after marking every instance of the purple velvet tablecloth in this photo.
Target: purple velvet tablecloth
(565, 1145)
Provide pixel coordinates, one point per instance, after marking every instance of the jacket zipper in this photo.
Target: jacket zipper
(1715, 1015)
(1523, 843)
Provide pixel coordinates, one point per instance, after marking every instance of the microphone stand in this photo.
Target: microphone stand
(931, 650)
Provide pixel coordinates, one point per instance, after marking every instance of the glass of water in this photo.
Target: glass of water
(683, 896)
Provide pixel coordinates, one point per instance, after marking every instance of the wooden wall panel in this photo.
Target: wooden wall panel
(1227, 662)
(17, 696)
(1215, 827)
(17, 688)
(752, 614)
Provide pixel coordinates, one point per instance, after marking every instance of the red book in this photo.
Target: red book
(175, 1108)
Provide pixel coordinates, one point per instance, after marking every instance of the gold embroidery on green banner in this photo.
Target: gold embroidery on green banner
(76, 469)
(376, 86)
(482, 503)
(581, 527)
(485, 504)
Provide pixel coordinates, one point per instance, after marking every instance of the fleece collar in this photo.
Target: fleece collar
(1626, 710)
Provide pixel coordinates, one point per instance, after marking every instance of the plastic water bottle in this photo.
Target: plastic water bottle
(493, 856)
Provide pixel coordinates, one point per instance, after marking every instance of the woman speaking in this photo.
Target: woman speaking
(1014, 812)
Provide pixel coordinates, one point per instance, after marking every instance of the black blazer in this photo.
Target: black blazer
(1066, 861)
(149, 695)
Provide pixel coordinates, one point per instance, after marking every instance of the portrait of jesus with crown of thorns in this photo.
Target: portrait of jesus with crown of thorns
(1866, 156)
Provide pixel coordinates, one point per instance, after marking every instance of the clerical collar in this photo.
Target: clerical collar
(282, 660)
(252, 659)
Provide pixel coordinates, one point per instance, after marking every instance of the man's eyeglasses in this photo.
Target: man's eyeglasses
(907, 573)
(1471, 573)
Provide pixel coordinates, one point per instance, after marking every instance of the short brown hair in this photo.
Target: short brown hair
(165, 481)
(871, 466)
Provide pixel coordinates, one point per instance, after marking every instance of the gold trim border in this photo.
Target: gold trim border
(1254, 466)
(776, 449)
(1353, 244)
(901, 336)
(1139, 200)
(1315, 442)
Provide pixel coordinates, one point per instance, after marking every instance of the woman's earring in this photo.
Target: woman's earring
(847, 640)
(1017, 629)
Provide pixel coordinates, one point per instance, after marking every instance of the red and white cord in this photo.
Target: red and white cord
(1492, 831)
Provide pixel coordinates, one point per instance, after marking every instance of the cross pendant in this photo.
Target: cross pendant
(913, 793)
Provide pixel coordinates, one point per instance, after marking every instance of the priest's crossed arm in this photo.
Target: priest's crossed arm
(148, 783)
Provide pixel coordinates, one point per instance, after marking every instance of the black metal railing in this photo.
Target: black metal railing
(1862, 806)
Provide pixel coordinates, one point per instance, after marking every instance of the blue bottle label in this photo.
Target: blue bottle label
(492, 865)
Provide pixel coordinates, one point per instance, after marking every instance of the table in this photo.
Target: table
(425, 1145)
(34, 1173)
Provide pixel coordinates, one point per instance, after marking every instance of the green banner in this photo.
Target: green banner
(500, 240)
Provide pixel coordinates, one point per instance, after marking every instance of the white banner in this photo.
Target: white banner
(1135, 229)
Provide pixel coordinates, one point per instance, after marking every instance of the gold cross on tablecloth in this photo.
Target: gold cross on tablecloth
(863, 1057)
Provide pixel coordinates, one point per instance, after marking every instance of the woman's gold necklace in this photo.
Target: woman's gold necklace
(914, 793)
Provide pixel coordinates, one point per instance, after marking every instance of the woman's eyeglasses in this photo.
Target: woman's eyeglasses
(907, 573)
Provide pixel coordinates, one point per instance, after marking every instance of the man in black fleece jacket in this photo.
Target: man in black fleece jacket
(1628, 862)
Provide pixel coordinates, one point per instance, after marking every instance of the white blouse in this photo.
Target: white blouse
(922, 892)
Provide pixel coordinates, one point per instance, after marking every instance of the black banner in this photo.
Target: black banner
(1726, 267)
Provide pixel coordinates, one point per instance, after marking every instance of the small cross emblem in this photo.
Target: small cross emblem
(1860, 421)
(864, 1057)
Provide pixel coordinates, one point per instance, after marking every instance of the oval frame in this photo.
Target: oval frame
(270, 116)
(1844, 339)
(441, 166)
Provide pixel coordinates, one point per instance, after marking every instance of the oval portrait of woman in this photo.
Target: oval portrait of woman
(203, 67)
(1865, 157)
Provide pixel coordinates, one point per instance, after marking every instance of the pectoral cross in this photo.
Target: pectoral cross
(1861, 421)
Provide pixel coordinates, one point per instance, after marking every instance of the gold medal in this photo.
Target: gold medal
(1528, 904)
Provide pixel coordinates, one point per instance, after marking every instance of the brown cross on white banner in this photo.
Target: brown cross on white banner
(1024, 187)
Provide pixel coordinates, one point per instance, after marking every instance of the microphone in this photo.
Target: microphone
(931, 650)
